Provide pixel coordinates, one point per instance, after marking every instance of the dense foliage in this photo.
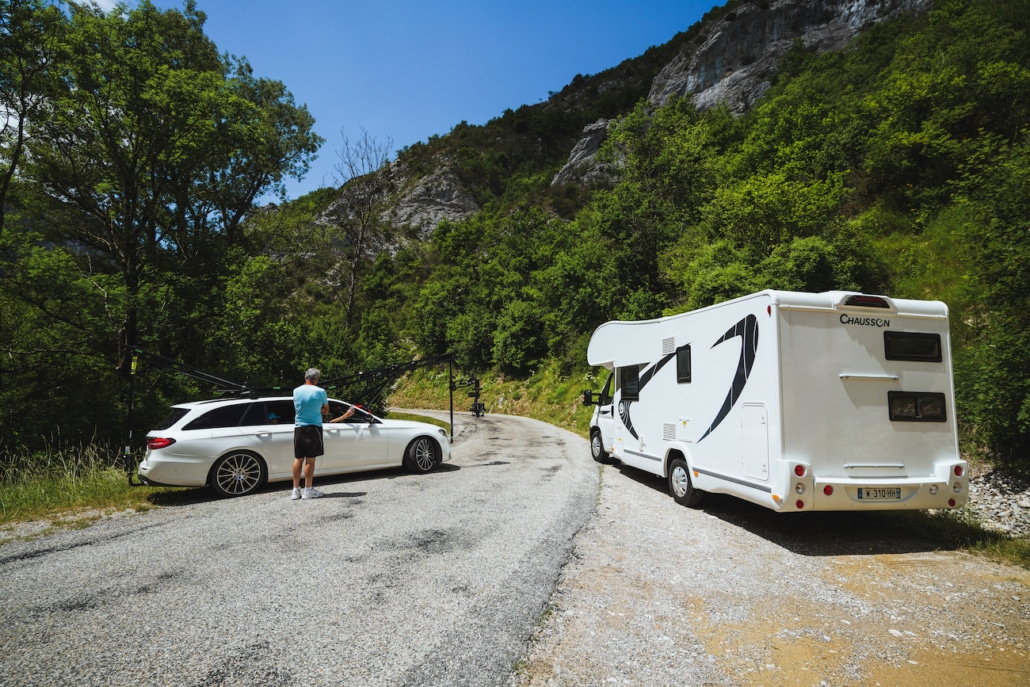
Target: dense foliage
(900, 166)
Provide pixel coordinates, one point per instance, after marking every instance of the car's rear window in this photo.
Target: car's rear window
(173, 416)
(225, 416)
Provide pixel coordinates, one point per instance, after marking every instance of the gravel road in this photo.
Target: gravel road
(391, 579)
(732, 594)
(516, 554)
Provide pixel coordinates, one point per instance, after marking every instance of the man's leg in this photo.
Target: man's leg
(309, 472)
(297, 463)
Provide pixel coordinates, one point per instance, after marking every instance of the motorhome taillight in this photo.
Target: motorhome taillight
(799, 470)
(958, 470)
(867, 302)
(951, 503)
(154, 443)
(828, 490)
(800, 504)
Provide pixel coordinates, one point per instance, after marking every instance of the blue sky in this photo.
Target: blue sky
(406, 69)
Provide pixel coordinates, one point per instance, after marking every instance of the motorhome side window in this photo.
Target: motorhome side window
(916, 346)
(683, 365)
(629, 382)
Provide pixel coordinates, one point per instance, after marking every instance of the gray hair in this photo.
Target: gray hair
(312, 374)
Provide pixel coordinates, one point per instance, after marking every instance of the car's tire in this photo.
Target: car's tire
(237, 473)
(422, 455)
(680, 485)
(597, 448)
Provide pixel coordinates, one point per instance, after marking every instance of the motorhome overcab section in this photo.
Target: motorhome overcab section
(793, 401)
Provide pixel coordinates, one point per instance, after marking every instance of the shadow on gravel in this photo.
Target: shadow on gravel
(182, 497)
(191, 496)
(832, 533)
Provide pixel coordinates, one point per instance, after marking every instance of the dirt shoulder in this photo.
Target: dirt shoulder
(732, 594)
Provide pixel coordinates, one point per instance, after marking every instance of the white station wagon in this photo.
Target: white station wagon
(236, 445)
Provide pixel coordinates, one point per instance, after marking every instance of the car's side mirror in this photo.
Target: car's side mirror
(588, 398)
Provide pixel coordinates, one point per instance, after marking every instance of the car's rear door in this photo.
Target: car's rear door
(269, 426)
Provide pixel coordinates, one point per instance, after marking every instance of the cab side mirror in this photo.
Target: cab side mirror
(588, 398)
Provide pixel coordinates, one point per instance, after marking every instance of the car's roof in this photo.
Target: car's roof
(227, 401)
(230, 400)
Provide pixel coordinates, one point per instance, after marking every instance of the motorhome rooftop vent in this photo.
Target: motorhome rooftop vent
(867, 302)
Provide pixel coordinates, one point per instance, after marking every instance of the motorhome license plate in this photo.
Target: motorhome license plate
(879, 493)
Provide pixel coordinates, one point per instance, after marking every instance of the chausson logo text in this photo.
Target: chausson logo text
(865, 321)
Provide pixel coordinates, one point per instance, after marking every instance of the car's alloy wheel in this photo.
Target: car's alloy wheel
(422, 455)
(237, 474)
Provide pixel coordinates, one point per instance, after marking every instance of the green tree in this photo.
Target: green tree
(993, 382)
(160, 145)
(31, 34)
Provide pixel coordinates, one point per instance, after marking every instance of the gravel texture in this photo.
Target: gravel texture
(1000, 502)
(732, 594)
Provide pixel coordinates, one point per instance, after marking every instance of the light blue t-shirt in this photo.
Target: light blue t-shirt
(308, 400)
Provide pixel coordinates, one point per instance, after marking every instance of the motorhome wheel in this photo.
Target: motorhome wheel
(680, 486)
(597, 448)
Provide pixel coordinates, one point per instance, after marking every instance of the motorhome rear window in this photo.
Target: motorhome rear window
(912, 346)
(683, 365)
(914, 406)
(629, 382)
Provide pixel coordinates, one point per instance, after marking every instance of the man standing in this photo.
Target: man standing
(310, 403)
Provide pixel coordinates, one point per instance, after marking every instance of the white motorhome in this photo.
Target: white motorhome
(793, 401)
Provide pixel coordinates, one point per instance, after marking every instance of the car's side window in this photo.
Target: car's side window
(255, 415)
(226, 416)
(280, 412)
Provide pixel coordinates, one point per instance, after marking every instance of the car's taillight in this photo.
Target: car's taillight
(154, 443)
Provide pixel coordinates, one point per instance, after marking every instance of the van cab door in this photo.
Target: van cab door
(604, 416)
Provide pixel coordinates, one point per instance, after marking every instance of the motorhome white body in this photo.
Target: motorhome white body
(793, 401)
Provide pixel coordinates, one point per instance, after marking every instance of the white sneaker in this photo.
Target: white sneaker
(296, 494)
(312, 493)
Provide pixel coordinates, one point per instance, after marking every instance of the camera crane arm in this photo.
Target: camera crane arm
(377, 380)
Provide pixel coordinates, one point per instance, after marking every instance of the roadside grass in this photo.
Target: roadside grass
(548, 395)
(68, 486)
(395, 415)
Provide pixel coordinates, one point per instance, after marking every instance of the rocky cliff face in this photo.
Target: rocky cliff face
(428, 201)
(736, 55)
(734, 58)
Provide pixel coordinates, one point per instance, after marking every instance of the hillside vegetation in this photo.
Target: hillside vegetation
(898, 166)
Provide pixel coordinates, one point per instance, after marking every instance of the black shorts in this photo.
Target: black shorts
(307, 441)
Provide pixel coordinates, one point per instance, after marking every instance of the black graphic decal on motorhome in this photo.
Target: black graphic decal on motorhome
(624, 416)
(747, 330)
(646, 376)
